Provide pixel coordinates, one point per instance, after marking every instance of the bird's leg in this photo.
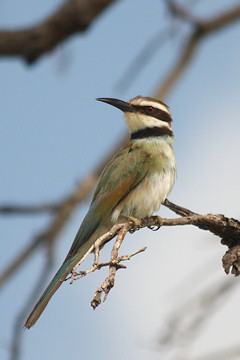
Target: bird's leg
(137, 223)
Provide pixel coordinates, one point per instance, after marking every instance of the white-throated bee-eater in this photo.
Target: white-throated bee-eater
(132, 185)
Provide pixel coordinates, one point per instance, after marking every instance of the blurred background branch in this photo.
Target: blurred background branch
(73, 16)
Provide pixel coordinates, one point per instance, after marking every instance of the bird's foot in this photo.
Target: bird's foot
(137, 224)
(158, 223)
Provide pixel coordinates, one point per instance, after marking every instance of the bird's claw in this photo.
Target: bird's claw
(136, 224)
(158, 223)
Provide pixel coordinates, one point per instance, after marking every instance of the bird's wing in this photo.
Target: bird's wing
(119, 177)
(126, 170)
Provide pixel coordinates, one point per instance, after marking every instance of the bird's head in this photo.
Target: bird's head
(144, 115)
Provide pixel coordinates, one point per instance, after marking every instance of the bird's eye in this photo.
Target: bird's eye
(150, 109)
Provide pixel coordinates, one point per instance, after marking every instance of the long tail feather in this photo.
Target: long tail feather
(48, 293)
(84, 239)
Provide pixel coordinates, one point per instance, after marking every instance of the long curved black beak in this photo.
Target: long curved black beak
(122, 105)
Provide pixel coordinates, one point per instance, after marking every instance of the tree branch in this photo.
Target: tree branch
(114, 264)
(16, 209)
(219, 225)
(31, 43)
(201, 28)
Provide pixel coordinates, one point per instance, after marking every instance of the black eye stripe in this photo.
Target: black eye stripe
(154, 112)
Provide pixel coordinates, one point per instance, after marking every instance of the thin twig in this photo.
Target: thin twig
(179, 210)
(114, 264)
(108, 283)
(96, 246)
(98, 266)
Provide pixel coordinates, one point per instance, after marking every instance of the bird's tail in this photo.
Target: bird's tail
(84, 239)
(56, 282)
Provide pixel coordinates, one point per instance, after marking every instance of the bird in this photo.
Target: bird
(132, 185)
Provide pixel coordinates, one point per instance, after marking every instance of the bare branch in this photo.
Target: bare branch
(20, 259)
(201, 28)
(179, 210)
(200, 31)
(96, 247)
(28, 209)
(217, 224)
(226, 228)
(220, 21)
(177, 10)
(72, 17)
(231, 260)
(98, 266)
(114, 265)
(48, 236)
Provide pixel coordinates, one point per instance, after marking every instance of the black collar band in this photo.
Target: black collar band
(151, 132)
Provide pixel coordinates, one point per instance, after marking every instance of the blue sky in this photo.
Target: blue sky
(53, 132)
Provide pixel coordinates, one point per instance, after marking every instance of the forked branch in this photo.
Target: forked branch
(227, 229)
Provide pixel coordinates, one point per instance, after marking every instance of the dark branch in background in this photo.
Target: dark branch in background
(180, 11)
(201, 29)
(28, 209)
(31, 43)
